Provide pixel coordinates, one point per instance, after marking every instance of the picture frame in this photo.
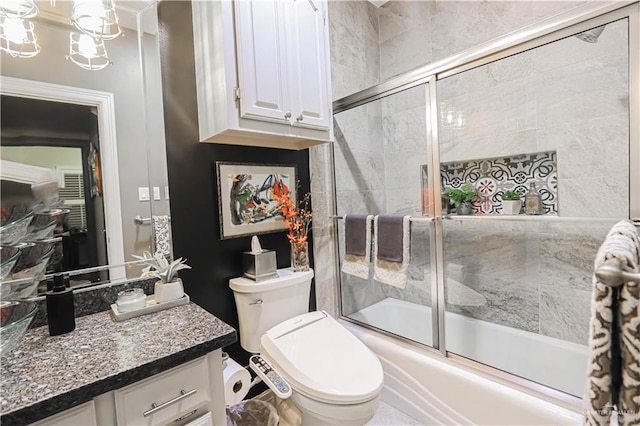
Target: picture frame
(246, 203)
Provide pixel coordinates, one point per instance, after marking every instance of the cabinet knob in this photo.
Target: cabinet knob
(300, 117)
(287, 115)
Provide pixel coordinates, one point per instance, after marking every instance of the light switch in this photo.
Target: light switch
(166, 192)
(143, 193)
(156, 193)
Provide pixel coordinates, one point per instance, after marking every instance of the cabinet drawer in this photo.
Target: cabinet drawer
(82, 415)
(165, 397)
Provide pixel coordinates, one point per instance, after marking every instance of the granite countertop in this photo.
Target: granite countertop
(45, 375)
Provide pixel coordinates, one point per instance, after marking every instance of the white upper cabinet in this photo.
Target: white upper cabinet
(309, 75)
(262, 69)
(262, 66)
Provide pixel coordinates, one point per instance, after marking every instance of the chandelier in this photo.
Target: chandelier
(95, 21)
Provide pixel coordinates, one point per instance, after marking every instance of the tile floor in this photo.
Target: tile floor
(389, 416)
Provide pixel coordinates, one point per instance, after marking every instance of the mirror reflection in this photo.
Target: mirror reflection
(99, 131)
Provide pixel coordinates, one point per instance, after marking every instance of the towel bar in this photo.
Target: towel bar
(611, 274)
(412, 219)
(139, 220)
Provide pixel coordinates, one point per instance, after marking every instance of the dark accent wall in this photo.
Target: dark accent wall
(192, 179)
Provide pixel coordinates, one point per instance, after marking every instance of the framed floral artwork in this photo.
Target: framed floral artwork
(246, 200)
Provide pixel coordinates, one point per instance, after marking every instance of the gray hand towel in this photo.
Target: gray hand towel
(357, 257)
(390, 238)
(355, 234)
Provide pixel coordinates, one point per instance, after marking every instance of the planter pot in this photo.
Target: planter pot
(465, 209)
(511, 207)
(166, 292)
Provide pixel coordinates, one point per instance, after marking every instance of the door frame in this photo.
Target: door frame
(104, 103)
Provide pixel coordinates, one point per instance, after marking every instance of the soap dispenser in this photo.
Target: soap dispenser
(60, 311)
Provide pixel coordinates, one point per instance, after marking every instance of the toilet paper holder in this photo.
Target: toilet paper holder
(237, 380)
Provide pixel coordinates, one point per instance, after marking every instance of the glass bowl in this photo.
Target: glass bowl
(33, 270)
(16, 317)
(20, 288)
(32, 254)
(14, 232)
(42, 232)
(10, 212)
(43, 217)
(8, 258)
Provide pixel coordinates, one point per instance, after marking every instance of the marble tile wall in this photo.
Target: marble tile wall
(544, 100)
(569, 97)
(534, 276)
(416, 33)
(353, 30)
(379, 150)
(527, 276)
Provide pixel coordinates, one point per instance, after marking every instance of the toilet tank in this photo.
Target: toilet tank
(262, 305)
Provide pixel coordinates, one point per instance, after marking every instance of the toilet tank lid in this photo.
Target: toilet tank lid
(285, 278)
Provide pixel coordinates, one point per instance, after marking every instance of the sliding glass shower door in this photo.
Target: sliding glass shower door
(553, 120)
(503, 284)
(381, 162)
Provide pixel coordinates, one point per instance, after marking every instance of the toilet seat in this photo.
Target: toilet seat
(322, 360)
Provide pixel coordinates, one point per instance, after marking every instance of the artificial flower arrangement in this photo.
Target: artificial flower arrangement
(297, 219)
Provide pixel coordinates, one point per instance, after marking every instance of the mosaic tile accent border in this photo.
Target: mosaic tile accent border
(492, 176)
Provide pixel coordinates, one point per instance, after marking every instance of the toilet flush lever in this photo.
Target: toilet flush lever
(258, 302)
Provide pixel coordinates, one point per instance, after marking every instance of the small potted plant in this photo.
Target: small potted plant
(511, 202)
(169, 286)
(462, 198)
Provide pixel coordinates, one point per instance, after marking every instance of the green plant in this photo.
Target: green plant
(159, 267)
(510, 195)
(466, 193)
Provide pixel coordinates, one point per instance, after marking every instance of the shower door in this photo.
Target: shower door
(380, 157)
(518, 287)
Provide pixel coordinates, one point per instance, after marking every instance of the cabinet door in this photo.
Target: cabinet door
(82, 415)
(262, 70)
(307, 38)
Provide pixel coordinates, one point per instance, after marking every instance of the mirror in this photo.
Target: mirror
(102, 129)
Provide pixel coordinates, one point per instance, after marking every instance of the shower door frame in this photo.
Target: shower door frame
(551, 29)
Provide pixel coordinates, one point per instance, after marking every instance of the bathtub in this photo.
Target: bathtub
(435, 390)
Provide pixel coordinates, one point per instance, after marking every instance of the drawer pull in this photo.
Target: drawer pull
(179, 419)
(155, 407)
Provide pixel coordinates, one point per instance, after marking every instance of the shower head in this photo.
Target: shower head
(591, 36)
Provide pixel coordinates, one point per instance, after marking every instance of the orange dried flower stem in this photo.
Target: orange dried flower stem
(297, 219)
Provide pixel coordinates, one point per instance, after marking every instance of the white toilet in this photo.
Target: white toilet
(335, 378)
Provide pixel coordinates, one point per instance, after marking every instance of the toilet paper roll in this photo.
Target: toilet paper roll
(237, 382)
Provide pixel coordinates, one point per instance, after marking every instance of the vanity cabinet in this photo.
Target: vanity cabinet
(189, 394)
(262, 72)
